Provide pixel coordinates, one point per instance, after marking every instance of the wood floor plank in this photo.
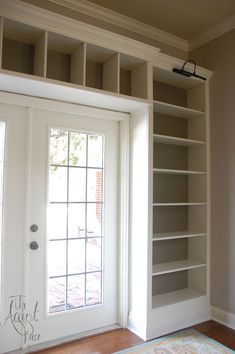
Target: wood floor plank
(105, 343)
(109, 342)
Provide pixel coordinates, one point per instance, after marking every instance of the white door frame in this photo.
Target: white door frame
(123, 233)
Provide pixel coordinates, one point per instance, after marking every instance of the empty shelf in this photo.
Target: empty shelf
(177, 204)
(174, 297)
(171, 267)
(175, 111)
(165, 139)
(176, 235)
(177, 172)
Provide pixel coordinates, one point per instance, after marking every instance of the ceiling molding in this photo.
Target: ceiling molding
(212, 33)
(106, 15)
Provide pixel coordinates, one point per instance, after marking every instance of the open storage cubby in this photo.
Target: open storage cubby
(29, 50)
(102, 68)
(133, 77)
(192, 129)
(23, 48)
(65, 59)
(174, 89)
(170, 255)
(180, 220)
(179, 286)
(179, 188)
(168, 156)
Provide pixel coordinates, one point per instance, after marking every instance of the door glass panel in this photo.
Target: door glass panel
(76, 256)
(57, 258)
(75, 216)
(57, 291)
(76, 290)
(58, 184)
(93, 293)
(57, 220)
(77, 184)
(93, 258)
(94, 219)
(76, 220)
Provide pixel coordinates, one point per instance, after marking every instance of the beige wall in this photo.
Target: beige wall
(108, 26)
(219, 55)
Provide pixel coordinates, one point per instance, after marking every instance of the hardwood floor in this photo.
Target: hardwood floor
(109, 342)
(218, 332)
(105, 343)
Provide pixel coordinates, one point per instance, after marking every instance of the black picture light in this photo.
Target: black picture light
(184, 72)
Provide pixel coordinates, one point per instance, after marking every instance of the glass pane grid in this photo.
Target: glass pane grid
(75, 220)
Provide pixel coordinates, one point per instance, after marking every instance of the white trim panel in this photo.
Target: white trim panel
(223, 317)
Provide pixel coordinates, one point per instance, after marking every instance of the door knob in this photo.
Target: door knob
(34, 228)
(34, 245)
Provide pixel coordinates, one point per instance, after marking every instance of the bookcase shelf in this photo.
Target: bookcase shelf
(176, 111)
(174, 297)
(166, 139)
(171, 267)
(176, 172)
(176, 235)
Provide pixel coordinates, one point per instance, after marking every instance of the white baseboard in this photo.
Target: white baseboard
(223, 317)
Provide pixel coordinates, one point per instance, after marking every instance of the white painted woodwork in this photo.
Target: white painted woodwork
(139, 82)
(100, 69)
(170, 267)
(111, 69)
(66, 92)
(177, 204)
(41, 56)
(78, 65)
(1, 40)
(181, 172)
(176, 111)
(176, 235)
(175, 296)
(175, 140)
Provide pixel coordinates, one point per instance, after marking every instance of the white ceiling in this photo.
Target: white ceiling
(184, 18)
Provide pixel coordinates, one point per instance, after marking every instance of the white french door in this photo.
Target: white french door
(59, 223)
(73, 203)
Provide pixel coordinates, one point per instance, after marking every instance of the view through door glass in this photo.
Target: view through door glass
(75, 220)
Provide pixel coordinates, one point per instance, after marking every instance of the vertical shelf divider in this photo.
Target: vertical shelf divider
(1, 40)
(111, 73)
(78, 65)
(139, 81)
(41, 55)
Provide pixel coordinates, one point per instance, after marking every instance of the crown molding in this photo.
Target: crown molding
(106, 15)
(212, 33)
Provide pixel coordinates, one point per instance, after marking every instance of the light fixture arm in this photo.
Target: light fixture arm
(187, 73)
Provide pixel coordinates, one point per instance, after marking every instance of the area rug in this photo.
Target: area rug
(184, 342)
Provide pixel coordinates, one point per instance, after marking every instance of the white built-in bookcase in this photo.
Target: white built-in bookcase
(179, 237)
(169, 143)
